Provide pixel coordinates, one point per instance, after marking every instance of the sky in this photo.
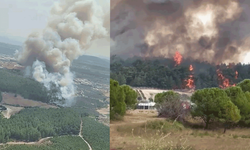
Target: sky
(19, 18)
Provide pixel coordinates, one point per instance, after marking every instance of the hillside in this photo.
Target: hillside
(166, 74)
(29, 105)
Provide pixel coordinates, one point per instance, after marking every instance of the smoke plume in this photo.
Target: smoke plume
(212, 30)
(72, 26)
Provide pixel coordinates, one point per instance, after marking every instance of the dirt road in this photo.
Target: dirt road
(80, 134)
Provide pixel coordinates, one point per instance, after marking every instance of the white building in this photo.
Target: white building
(148, 105)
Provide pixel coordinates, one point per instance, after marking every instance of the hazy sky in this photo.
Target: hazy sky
(19, 18)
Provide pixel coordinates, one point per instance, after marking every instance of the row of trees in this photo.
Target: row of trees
(121, 98)
(229, 106)
(28, 88)
(162, 73)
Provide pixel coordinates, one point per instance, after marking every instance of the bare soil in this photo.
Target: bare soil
(10, 99)
(104, 111)
(11, 110)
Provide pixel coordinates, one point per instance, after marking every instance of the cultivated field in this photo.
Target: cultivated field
(134, 133)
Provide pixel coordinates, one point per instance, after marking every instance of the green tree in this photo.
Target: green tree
(230, 114)
(239, 98)
(117, 100)
(214, 104)
(130, 96)
(244, 85)
(166, 96)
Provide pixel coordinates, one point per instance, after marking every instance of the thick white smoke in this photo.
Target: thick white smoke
(71, 28)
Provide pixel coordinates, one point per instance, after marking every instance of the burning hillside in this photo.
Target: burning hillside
(216, 31)
(223, 82)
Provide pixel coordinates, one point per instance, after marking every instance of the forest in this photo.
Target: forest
(96, 134)
(13, 82)
(166, 73)
(34, 123)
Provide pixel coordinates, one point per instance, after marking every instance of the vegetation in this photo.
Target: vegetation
(162, 73)
(96, 134)
(35, 123)
(1, 97)
(130, 96)
(117, 100)
(26, 87)
(213, 104)
(62, 142)
(121, 97)
(239, 98)
(169, 105)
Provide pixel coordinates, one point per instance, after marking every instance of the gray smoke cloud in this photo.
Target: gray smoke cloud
(71, 28)
(215, 30)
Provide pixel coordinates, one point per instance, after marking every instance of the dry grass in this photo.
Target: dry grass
(135, 132)
(10, 99)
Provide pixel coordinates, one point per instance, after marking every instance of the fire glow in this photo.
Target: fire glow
(190, 80)
(177, 58)
(223, 81)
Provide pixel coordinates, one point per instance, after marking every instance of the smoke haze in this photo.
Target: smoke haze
(72, 26)
(213, 30)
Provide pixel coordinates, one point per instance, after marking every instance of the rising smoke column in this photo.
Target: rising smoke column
(207, 30)
(72, 26)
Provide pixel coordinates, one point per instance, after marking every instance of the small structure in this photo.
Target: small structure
(148, 105)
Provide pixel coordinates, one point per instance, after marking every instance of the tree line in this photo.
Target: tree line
(121, 98)
(164, 74)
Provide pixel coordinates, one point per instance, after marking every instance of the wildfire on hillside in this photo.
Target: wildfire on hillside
(223, 81)
(177, 58)
(190, 80)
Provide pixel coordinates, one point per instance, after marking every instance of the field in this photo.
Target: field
(135, 132)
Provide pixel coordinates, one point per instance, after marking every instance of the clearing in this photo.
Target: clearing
(134, 133)
(104, 111)
(10, 99)
(16, 104)
(11, 110)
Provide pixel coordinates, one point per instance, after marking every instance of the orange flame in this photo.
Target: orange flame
(223, 81)
(177, 58)
(190, 80)
(236, 74)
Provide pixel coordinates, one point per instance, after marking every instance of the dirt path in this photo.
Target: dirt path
(26, 143)
(80, 134)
